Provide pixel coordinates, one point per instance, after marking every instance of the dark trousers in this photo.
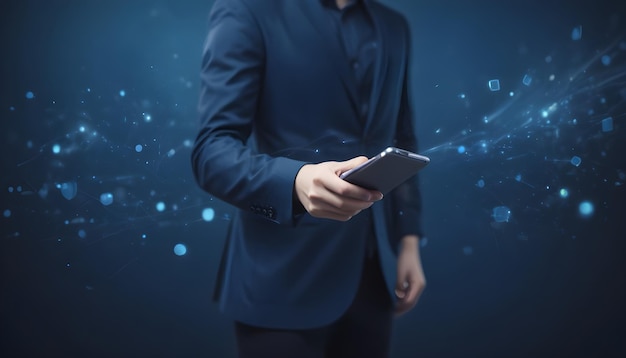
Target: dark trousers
(364, 330)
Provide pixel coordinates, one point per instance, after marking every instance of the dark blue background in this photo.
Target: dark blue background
(549, 282)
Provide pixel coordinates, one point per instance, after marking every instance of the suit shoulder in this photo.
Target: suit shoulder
(254, 5)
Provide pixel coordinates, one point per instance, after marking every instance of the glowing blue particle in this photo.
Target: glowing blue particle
(501, 214)
(11, 108)
(468, 250)
(607, 124)
(606, 60)
(461, 95)
(82, 234)
(106, 199)
(480, 183)
(69, 190)
(180, 249)
(577, 33)
(494, 85)
(563, 193)
(122, 93)
(461, 149)
(147, 117)
(143, 236)
(138, 148)
(585, 209)
(511, 94)
(7, 213)
(208, 214)
(527, 80)
(518, 177)
(81, 129)
(10, 189)
(544, 114)
(160, 206)
(576, 161)
(56, 149)
(30, 95)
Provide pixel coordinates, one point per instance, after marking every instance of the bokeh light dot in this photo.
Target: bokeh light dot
(180, 249)
(160, 206)
(106, 199)
(7, 213)
(138, 148)
(501, 214)
(208, 214)
(586, 208)
(56, 149)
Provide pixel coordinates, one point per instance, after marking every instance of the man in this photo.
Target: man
(293, 93)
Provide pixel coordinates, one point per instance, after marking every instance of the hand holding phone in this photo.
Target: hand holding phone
(385, 171)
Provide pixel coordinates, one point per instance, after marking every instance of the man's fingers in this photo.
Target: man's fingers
(411, 294)
(337, 204)
(348, 190)
(407, 297)
(401, 289)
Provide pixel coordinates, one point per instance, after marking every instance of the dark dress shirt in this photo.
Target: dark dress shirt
(357, 34)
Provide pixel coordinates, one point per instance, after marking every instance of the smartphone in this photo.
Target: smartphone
(385, 171)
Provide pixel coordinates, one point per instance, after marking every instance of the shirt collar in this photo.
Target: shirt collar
(334, 3)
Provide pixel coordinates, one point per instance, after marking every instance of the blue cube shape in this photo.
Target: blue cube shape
(607, 124)
(494, 85)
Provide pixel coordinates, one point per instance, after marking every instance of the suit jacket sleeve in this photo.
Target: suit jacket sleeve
(223, 163)
(407, 197)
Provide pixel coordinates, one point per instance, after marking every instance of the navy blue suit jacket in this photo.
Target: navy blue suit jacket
(277, 92)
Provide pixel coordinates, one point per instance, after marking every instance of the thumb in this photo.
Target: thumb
(349, 164)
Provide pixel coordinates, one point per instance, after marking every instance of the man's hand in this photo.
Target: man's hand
(411, 281)
(324, 195)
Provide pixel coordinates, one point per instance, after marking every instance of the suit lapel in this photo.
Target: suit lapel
(327, 32)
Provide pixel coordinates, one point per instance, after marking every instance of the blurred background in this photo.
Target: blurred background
(108, 247)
